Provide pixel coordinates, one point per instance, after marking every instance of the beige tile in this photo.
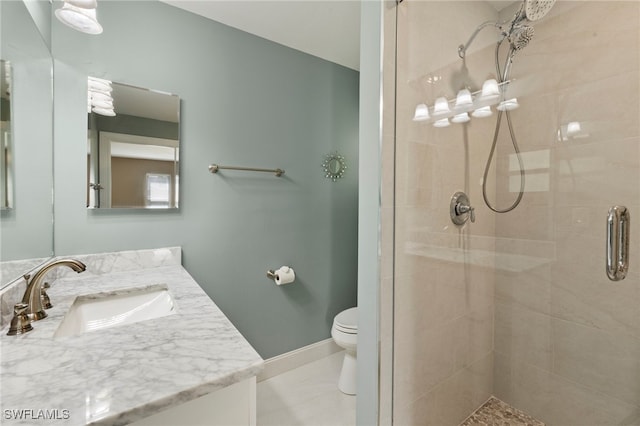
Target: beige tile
(524, 335)
(586, 296)
(608, 362)
(502, 387)
(530, 289)
(557, 401)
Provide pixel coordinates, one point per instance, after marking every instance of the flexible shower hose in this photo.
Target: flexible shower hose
(495, 139)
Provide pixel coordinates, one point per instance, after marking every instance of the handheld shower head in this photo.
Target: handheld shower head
(520, 37)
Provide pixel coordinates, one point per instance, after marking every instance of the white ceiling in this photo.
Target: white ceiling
(329, 29)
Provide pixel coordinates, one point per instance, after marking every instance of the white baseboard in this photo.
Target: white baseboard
(298, 357)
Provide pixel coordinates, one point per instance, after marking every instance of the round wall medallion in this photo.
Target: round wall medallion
(334, 166)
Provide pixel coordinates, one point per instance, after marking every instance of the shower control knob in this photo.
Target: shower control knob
(461, 209)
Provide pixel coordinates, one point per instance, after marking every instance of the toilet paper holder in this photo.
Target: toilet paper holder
(284, 275)
(271, 274)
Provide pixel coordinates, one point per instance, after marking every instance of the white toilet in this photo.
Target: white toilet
(345, 334)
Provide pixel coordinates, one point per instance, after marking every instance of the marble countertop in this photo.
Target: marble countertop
(121, 374)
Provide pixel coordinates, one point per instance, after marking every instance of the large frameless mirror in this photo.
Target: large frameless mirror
(26, 141)
(133, 146)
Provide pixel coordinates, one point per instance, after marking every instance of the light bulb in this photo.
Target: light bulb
(573, 128)
(461, 118)
(490, 88)
(463, 100)
(422, 113)
(78, 18)
(109, 112)
(441, 106)
(83, 4)
(444, 122)
(482, 112)
(508, 105)
(99, 85)
(100, 97)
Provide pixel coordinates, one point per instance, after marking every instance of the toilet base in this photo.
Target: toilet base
(347, 381)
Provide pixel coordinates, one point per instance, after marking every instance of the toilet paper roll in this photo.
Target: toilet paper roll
(285, 275)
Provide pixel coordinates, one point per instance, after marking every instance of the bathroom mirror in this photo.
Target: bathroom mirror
(133, 147)
(26, 154)
(6, 164)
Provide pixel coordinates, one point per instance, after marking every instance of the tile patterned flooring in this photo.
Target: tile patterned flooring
(497, 413)
(306, 396)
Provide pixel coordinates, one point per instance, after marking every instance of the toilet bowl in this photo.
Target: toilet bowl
(345, 333)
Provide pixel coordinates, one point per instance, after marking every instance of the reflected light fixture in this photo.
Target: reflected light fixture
(108, 112)
(490, 89)
(100, 99)
(482, 112)
(463, 100)
(441, 107)
(80, 15)
(443, 122)
(508, 105)
(422, 113)
(461, 118)
(573, 129)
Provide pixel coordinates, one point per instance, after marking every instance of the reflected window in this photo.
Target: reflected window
(158, 191)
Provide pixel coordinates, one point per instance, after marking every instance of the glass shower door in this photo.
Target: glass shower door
(518, 305)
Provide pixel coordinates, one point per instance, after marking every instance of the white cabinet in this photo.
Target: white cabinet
(234, 405)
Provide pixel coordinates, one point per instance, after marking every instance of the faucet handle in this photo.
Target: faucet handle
(21, 323)
(46, 302)
(461, 209)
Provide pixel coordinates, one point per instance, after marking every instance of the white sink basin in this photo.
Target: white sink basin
(104, 310)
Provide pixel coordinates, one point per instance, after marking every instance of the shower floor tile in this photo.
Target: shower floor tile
(497, 413)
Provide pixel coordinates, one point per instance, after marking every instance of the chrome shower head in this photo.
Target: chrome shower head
(537, 9)
(533, 10)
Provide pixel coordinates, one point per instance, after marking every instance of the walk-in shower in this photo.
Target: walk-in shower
(516, 306)
(518, 32)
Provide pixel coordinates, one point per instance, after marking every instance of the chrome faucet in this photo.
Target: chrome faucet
(33, 295)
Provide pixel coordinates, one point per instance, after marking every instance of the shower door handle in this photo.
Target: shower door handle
(617, 243)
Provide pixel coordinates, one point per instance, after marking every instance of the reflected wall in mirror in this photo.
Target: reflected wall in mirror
(26, 228)
(6, 163)
(133, 146)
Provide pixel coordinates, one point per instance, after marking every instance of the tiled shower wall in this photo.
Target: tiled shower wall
(515, 305)
(443, 276)
(567, 347)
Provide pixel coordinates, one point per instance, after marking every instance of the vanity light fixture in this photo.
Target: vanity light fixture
(80, 15)
(477, 104)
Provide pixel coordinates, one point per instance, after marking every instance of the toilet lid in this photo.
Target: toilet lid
(347, 320)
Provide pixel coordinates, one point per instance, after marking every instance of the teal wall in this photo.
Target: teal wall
(26, 229)
(245, 101)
